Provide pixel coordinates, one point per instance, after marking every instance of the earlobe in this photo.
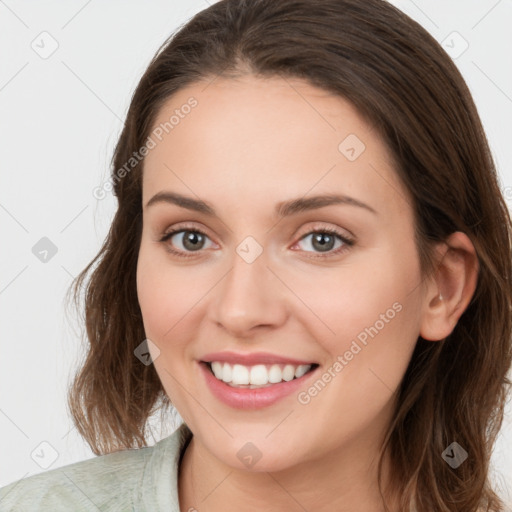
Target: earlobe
(451, 290)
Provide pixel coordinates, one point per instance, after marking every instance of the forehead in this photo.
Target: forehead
(267, 140)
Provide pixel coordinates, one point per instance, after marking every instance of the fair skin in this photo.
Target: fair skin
(248, 145)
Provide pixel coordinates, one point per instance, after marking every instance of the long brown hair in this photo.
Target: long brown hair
(401, 81)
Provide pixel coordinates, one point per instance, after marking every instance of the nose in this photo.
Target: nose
(249, 298)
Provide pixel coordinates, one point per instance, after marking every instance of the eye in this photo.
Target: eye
(191, 239)
(324, 241)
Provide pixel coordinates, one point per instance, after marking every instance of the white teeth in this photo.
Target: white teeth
(240, 374)
(275, 374)
(227, 373)
(288, 372)
(301, 370)
(258, 375)
(217, 369)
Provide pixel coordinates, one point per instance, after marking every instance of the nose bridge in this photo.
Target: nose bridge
(249, 294)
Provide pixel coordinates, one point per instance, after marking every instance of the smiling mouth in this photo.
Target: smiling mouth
(258, 375)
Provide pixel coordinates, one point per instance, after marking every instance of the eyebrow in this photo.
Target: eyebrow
(284, 209)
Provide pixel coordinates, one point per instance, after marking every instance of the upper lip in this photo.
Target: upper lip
(248, 359)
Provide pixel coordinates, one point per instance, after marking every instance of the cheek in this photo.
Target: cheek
(373, 318)
(367, 312)
(154, 302)
(164, 301)
(167, 297)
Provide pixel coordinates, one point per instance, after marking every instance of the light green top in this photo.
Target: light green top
(144, 479)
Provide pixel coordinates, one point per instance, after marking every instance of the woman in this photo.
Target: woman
(341, 338)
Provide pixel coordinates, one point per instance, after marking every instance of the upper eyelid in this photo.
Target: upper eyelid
(314, 228)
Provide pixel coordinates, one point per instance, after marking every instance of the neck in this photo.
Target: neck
(344, 480)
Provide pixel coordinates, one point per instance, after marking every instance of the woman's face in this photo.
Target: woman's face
(264, 295)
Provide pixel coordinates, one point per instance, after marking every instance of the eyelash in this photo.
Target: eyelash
(348, 242)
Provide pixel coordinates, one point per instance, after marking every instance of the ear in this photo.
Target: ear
(455, 281)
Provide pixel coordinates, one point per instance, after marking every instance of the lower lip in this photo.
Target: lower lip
(245, 398)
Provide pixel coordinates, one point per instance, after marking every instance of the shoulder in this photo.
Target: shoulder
(107, 482)
(88, 484)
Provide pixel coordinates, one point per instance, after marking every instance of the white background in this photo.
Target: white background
(61, 117)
